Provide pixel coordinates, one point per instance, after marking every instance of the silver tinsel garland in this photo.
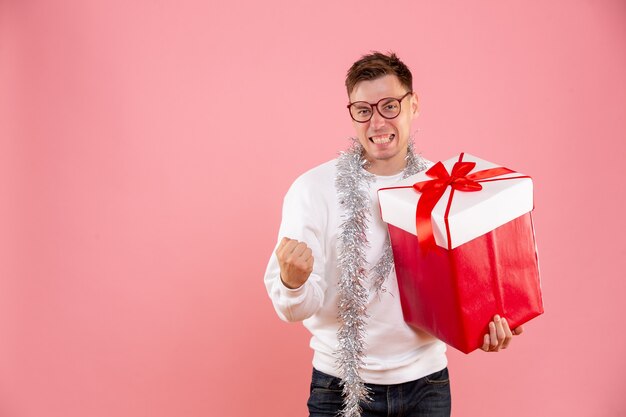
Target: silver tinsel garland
(414, 164)
(352, 184)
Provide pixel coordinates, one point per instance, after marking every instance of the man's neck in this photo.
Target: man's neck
(387, 167)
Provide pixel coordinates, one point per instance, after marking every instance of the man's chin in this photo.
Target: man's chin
(380, 156)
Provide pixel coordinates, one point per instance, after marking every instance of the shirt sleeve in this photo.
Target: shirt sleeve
(303, 219)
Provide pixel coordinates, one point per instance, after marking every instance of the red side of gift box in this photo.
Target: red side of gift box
(454, 294)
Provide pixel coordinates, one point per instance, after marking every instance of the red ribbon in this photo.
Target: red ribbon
(432, 191)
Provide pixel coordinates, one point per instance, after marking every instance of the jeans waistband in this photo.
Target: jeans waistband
(321, 379)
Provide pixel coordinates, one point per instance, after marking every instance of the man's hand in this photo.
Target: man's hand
(296, 262)
(499, 335)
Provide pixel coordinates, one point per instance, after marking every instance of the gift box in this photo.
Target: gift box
(464, 248)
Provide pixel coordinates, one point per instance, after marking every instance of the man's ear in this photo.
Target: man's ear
(414, 105)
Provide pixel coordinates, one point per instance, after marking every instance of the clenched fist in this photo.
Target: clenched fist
(296, 262)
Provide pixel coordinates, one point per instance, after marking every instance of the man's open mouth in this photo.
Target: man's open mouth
(380, 139)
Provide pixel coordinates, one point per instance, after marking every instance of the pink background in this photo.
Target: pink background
(145, 148)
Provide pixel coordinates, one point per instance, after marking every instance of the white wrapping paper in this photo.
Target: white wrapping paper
(472, 214)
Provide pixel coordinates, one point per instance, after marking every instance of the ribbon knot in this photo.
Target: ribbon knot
(458, 179)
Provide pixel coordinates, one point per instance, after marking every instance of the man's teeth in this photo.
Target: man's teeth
(382, 138)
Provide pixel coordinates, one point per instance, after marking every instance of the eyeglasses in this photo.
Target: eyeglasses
(362, 111)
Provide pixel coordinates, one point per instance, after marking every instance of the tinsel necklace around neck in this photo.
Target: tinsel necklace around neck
(352, 184)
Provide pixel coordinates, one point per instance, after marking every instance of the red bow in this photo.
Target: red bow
(432, 191)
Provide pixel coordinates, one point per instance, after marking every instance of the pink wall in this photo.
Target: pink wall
(145, 148)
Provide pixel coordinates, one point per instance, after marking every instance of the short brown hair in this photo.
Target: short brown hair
(375, 65)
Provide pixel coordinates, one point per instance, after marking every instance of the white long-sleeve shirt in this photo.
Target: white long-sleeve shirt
(394, 352)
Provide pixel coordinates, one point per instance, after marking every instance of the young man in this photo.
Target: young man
(333, 269)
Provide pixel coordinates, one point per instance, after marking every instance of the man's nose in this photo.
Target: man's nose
(377, 120)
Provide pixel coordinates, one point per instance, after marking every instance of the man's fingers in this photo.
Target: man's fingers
(500, 333)
(306, 258)
(485, 346)
(296, 262)
(493, 337)
(518, 330)
(299, 250)
(291, 246)
(293, 251)
(282, 243)
(288, 248)
(507, 333)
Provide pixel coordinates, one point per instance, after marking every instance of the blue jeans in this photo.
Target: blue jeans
(425, 397)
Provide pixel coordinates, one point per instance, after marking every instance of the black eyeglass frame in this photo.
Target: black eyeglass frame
(375, 106)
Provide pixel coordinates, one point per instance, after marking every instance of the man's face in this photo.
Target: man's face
(385, 140)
